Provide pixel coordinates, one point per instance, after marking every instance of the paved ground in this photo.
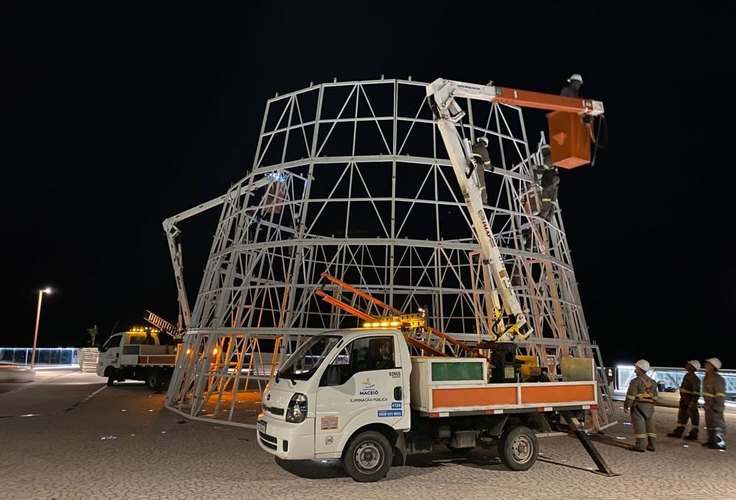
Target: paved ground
(68, 436)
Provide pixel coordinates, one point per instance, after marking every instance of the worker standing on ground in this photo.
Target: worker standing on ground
(482, 161)
(689, 395)
(640, 398)
(572, 89)
(714, 394)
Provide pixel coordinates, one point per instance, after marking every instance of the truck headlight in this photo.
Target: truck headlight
(297, 410)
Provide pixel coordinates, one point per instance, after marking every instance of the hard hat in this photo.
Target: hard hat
(643, 364)
(694, 363)
(484, 140)
(575, 77)
(715, 362)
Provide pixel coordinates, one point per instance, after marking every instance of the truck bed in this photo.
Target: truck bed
(148, 355)
(453, 387)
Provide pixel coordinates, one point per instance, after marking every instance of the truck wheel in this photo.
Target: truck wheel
(518, 448)
(154, 380)
(368, 457)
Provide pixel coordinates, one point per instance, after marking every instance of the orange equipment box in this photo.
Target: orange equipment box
(569, 139)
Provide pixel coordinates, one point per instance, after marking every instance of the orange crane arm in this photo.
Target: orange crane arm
(539, 100)
(444, 91)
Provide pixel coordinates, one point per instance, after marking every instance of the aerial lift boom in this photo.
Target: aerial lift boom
(172, 234)
(442, 94)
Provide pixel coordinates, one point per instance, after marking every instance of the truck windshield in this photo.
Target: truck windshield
(304, 362)
(113, 341)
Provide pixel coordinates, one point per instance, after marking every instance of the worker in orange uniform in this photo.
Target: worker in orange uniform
(640, 399)
(714, 394)
(689, 395)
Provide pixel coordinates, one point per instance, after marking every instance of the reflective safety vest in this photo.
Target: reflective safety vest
(642, 389)
(647, 396)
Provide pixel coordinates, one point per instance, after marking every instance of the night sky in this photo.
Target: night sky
(117, 115)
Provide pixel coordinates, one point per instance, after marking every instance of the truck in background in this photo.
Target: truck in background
(137, 354)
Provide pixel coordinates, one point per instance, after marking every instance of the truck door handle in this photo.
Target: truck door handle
(397, 393)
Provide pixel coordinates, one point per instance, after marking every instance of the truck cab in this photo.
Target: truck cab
(136, 354)
(342, 392)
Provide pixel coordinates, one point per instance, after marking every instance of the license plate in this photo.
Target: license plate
(261, 426)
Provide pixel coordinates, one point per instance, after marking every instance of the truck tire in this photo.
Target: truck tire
(368, 457)
(154, 380)
(518, 448)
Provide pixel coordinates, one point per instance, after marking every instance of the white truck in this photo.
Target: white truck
(137, 354)
(337, 397)
(340, 396)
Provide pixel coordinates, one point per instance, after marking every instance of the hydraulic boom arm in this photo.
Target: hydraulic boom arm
(442, 94)
(172, 234)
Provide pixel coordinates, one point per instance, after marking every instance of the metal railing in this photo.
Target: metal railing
(46, 357)
(670, 378)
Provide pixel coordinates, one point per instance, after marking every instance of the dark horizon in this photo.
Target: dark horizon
(118, 116)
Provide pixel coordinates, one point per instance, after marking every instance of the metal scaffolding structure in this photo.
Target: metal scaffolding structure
(352, 179)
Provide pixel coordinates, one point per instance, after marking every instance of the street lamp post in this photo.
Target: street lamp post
(38, 320)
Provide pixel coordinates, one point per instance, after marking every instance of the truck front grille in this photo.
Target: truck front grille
(268, 441)
(273, 410)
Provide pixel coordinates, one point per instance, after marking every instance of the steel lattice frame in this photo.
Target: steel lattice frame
(360, 186)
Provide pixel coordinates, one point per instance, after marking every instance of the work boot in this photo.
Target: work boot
(640, 446)
(677, 433)
(692, 435)
(650, 445)
(719, 443)
(714, 446)
(711, 438)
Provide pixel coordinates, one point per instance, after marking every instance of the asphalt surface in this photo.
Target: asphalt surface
(68, 436)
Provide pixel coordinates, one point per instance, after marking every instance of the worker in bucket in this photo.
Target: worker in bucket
(689, 395)
(640, 399)
(572, 89)
(714, 394)
(482, 162)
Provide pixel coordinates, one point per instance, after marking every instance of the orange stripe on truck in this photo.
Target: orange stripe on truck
(557, 394)
(159, 360)
(477, 396)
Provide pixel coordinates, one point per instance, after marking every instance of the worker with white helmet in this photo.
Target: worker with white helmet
(572, 89)
(689, 395)
(714, 394)
(640, 399)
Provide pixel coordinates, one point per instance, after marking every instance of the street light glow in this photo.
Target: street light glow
(46, 290)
